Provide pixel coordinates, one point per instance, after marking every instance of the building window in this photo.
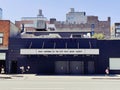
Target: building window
(118, 30)
(75, 36)
(1, 38)
(92, 26)
(2, 56)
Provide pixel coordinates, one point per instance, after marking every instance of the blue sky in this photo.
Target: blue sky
(15, 9)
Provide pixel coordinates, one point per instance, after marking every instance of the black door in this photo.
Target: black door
(13, 67)
(91, 67)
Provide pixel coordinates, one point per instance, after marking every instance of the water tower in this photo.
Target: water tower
(40, 13)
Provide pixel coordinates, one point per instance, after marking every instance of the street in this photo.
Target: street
(60, 83)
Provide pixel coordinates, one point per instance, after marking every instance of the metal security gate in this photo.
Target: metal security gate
(76, 67)
(61, 67)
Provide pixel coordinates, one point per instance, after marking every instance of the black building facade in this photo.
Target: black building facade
(73, 56)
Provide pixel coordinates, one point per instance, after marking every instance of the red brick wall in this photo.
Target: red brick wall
(5, 29)
(100, 26)
(18, 24)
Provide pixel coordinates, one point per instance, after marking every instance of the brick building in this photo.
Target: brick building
(75, 22)
(7, 30)
(83, 23)
(116, 30)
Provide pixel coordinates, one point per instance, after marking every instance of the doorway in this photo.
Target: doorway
(2, 64)
(13, 67)
(61, 67)
(91, 67)
(77, 67)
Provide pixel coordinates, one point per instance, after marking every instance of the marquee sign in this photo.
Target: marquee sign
(59, 51)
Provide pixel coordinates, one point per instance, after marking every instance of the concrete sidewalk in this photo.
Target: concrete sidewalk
(5, 76)
(34, 76)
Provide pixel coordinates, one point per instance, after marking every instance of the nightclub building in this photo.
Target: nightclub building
(63, 56)
(38, 50)
(65, 48)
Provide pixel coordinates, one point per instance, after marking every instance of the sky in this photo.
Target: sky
(14, 10)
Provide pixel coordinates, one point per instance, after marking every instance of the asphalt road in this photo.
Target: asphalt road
(59, 83)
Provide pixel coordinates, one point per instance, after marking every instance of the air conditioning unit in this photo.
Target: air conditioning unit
(40, 24)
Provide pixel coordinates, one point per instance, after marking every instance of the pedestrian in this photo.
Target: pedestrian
(22, 69)
(28, 68)
(107, 71)
(2, 70)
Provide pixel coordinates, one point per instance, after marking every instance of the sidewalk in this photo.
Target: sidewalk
(33, 76)
(115, 77)
(5, 76)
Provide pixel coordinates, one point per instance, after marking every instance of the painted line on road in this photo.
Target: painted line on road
(39, 88)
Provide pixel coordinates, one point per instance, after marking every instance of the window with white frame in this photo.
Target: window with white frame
(1, 38)
(2, 56)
